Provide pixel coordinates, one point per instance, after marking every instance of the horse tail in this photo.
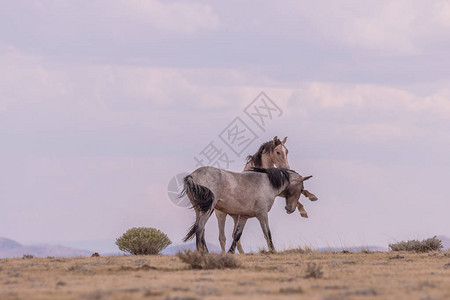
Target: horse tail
(201, 197)
(193, 230)
(191, 233)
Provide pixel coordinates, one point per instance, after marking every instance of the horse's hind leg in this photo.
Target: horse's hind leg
(200, 231)
(221, 219)
(264, 222)
(238, 232)
(238, 244)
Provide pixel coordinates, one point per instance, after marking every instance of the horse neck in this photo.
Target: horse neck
(278, 193)
(284, 187)
(266, 161)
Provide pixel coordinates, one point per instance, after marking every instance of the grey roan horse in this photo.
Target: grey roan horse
(270, 154)
(248, 194)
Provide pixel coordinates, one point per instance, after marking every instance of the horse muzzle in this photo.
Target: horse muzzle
(289, 211)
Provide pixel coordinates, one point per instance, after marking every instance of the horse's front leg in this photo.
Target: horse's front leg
(238, 232)
(239, 246)
(302, 210)
(221, 219)
(309, 195)
(264, 222)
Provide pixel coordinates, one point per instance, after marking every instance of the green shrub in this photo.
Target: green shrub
(143, 241)
(198, 260)
(431, 244)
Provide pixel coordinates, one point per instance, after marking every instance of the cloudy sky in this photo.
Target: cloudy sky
(103, 102)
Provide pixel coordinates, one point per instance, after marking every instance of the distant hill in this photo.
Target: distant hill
(10, 248)
(106, 247)
(174, 249)
(7, 244)
(353, 249)
(445, 241)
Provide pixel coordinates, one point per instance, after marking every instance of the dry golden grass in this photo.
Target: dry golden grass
(399, 275)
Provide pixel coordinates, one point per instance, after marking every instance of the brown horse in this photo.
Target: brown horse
(270, 154)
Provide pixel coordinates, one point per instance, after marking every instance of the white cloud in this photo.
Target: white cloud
(383, 27)
(179, 16)
(391, 29)
(89, 96)
(373, 113)
(33, 82)
(442, 9)
(25, 79)
(122, 90)
(331, 95)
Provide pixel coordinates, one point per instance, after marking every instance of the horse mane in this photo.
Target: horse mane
(256, 158)
(277, 176)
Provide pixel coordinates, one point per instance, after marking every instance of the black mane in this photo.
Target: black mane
(277, 176)
(265, 147)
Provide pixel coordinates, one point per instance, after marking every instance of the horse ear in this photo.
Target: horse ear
(306, 178)
(275, 139)
(284, 140)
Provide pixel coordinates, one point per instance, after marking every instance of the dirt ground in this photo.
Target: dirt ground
(373, 275)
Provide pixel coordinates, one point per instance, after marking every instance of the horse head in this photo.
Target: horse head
(293, 191)
(278, 153)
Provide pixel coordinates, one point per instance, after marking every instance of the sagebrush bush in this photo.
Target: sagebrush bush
(313, 270)
(431, 244)
(143, 241)
(198, 260)
(298, 250)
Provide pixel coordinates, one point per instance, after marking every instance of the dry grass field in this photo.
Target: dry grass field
(372, 275)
